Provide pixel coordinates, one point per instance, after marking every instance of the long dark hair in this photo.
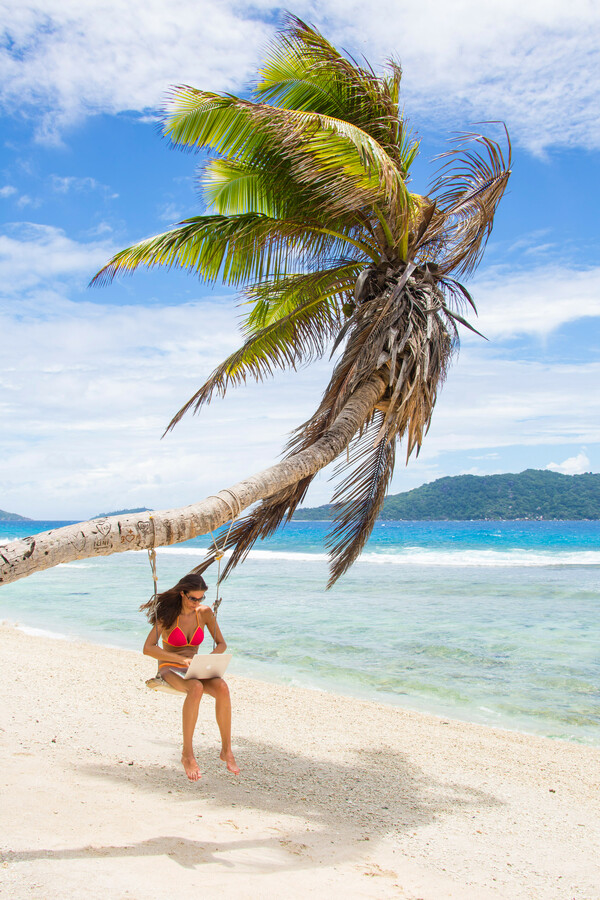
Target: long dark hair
(167, 606)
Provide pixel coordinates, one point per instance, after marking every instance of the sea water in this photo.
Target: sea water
(491, 622)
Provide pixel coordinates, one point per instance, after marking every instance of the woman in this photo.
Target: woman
(179, 618)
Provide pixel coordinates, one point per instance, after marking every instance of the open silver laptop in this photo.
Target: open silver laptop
(208, 665)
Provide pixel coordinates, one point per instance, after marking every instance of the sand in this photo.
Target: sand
(337, 797)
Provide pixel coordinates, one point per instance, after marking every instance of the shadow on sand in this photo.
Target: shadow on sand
(337, 807)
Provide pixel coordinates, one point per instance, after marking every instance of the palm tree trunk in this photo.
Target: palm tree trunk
(102, 537)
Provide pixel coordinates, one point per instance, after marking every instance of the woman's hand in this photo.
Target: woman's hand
(175, 658)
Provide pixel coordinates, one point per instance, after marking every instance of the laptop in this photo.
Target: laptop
(208, 665)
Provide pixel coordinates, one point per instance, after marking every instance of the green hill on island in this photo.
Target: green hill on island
(532, 494)
(12, 517)
(121, 512)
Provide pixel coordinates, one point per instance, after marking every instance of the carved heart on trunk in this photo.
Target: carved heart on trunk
(103, 528)
(78, 541)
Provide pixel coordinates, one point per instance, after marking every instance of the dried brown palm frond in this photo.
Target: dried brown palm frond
(357, 501)
(469, 185)
(405, 330)
(262, 522)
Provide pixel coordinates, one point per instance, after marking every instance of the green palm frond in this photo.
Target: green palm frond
(287, 77)
(232, 187)
(299, 336)
(279, 297)
(359, 498)
(350, 181)
(299, 186)
(236, 249)
(303, 71)
(239, 129)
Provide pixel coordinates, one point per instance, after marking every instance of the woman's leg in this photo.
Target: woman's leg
(218, 689)
(193, 690)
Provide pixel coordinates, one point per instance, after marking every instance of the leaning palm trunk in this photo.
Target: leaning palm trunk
(103, 537)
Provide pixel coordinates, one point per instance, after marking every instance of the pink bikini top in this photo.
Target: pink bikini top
(178, 639)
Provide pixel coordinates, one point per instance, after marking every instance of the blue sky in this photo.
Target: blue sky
(90, 377)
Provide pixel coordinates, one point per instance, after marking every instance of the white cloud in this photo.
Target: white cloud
(25, 200)
(535, 302)
(86, 391)
(490, 403)
(533, 64)
(574, 465)
(36, 255)
(75, 59)
(99, 229)
(7, 191)
(64, 184)
(170, 213)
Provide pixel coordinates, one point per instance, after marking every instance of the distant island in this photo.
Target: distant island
(121, 512)
(12, 517)
(532, 494)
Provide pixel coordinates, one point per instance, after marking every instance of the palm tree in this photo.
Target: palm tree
(312, 218)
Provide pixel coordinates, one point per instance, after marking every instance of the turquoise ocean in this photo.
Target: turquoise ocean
(490, 622)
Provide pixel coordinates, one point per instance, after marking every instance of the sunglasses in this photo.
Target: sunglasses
(195, 599)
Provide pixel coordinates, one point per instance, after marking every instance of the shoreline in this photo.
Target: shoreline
(334, 691)
(337, 797)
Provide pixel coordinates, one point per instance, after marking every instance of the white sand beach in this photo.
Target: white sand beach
(337, 797)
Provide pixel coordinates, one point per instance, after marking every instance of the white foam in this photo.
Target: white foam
(485, 558)
(43, 632)
(254, 554)
(421, 556)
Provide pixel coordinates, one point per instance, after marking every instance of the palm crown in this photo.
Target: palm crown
(312, 217)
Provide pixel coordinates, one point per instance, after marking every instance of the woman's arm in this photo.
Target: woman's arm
(151, 648)
(210, 620)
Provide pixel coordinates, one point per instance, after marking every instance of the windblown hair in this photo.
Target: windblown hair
(165, 607)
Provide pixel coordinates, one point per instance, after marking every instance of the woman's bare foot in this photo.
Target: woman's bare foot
(191, 768)
(229, 759)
